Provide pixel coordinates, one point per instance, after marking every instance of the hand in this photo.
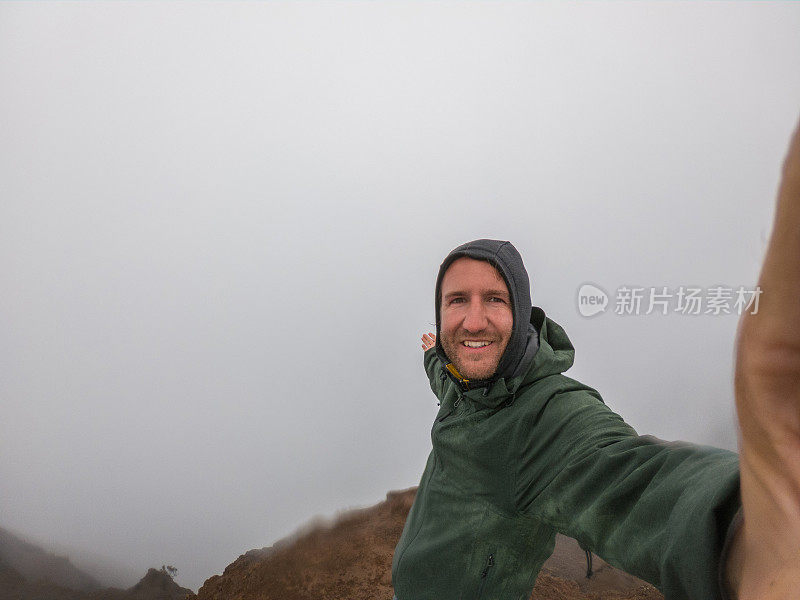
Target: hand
(764, 562)
(428, 341)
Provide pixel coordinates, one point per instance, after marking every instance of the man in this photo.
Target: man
(521, 451)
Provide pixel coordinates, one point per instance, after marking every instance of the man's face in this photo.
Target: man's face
(476, 317)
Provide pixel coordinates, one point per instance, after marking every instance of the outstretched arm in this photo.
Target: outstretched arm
(764, 561)
(658, 510)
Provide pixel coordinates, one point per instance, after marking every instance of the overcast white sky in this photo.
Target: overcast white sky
(220, 227)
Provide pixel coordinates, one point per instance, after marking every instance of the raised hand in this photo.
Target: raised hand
(764, 562)
(428, 340)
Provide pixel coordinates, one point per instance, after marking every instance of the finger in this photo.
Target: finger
(779, 312)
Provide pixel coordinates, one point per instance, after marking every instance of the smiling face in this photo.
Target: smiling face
(476, 317)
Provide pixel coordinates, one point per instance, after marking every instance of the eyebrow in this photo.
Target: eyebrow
(501, 293)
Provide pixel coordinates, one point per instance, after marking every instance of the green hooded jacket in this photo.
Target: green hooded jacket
(540, 453)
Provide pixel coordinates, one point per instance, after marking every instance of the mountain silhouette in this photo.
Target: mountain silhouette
(28, 572)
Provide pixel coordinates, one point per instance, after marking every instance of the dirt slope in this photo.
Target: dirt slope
(351, 559)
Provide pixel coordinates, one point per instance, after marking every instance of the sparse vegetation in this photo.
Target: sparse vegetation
(169, 570)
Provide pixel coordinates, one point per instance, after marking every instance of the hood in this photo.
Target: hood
(555, 354)
(523, 344)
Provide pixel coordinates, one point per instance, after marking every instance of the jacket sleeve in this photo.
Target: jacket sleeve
(658, 510)
(433, 369)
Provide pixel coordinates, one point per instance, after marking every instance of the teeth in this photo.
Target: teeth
(476, 344)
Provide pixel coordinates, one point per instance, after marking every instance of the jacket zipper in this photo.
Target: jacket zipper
(484, 574)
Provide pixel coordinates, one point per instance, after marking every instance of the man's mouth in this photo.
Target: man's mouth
(476, 344)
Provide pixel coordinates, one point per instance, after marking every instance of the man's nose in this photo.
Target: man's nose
(475, 319)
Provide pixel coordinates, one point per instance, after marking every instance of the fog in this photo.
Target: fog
(221, 224)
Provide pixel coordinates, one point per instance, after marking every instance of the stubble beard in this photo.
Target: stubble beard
(476, 370)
